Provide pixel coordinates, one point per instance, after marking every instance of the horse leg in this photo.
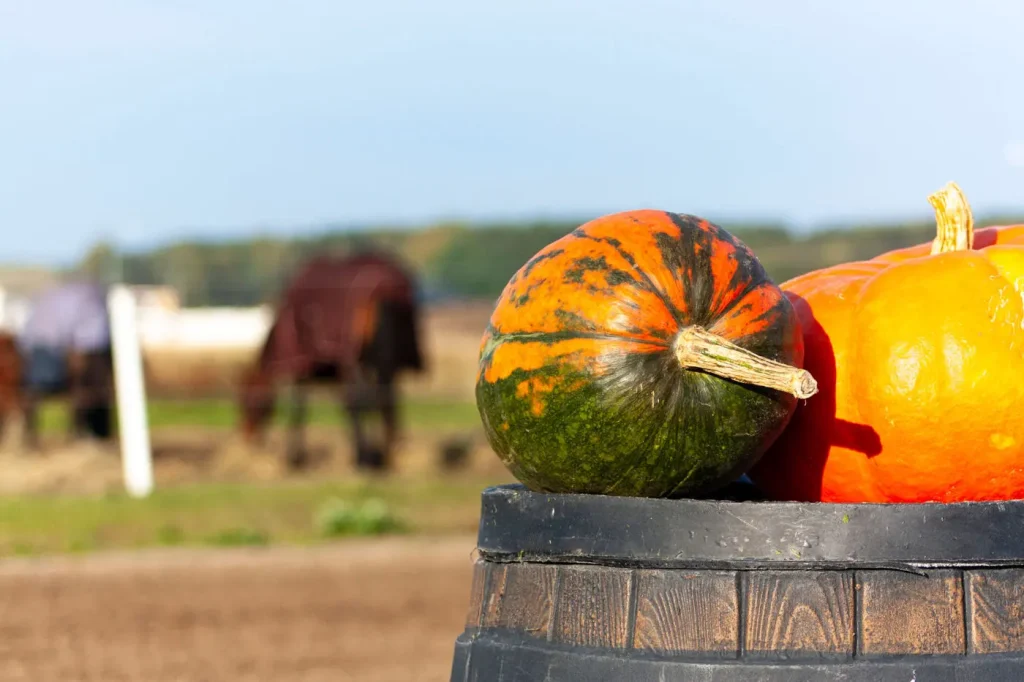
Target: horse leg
(296, 448)
(30, 412)
(385, 355)
(355, 399)
(359, 442)
(78, 426)
(76, 396)
(97, 383)
(389, 413)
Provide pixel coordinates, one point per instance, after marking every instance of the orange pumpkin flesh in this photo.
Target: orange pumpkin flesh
(917, 354)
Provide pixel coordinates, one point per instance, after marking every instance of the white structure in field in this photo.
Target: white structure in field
(130, 391)
(204, 328)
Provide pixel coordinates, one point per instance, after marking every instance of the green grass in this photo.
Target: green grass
(217, 413)
(290, 513)
(284, 512)
(340, 517)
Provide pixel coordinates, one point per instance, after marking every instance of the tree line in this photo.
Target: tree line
(451, 260)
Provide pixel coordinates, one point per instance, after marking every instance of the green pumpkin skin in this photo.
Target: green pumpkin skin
(578, 386)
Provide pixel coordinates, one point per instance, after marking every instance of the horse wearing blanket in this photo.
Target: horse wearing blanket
(65, 349)
(352, 320)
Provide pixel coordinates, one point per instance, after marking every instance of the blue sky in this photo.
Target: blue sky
(143, 121)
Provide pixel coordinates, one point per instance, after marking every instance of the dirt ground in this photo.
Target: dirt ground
(368, 610)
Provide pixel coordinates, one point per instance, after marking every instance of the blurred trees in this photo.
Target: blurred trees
(100, 263)
(452, 259)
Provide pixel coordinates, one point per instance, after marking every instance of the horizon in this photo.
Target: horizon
(330, 229)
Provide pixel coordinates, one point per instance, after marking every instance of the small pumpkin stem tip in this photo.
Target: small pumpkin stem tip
(697, 348)
(953, 220)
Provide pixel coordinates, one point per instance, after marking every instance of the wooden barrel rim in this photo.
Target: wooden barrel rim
(512, 659)
(519, 525)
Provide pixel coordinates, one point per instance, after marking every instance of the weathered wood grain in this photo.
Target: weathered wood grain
(777, 614)
(681, 612)
(903, 613)
(523, 598)
(494, 594)
(996, 598)
(474, 615)
(803, 613)
(593, 606)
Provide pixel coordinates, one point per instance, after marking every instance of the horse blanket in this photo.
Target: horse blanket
(68, 318)
(342, 312)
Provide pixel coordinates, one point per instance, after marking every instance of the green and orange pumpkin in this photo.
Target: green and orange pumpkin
(646, 353)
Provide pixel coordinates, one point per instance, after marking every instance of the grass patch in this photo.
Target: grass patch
(339, 518)
(169, 535)
(239, 537)
(288, 513)
(222, 413)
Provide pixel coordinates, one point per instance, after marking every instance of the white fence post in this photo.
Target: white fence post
(136, 457)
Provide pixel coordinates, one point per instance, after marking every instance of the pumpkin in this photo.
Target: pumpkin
(919, 354)
(645, 353)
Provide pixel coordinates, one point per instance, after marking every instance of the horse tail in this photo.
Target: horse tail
(364, 286)
(365, 321)
(394, 344)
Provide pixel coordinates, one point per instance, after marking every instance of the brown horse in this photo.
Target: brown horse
(10, 378)
(350, 320)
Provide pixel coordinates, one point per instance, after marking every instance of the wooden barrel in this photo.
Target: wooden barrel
(591, 588)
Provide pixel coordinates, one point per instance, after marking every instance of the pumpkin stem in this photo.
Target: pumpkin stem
(955, 224)
(697, 348)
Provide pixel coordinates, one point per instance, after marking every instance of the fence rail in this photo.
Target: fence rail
(176, 329)
(203, 328)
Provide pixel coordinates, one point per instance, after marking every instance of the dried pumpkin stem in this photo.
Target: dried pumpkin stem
(954, 222)
(697, 348)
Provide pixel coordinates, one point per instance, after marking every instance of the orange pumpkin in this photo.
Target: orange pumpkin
(918, 355)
